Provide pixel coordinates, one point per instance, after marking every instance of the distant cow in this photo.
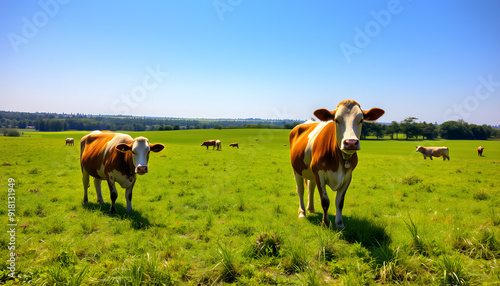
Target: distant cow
(234, 145)
(209, 143)
(70, 141)
(480, 151)
(434, 151)
(114, 157)
(214, 143)
(324, 153)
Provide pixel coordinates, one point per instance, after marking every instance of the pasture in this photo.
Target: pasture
(203, 217)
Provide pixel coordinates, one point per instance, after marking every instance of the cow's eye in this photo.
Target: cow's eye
(336, 120)
(362, 120)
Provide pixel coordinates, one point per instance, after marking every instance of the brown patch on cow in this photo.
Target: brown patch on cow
(298, 143)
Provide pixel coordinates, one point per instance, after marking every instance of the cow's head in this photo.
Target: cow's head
(140, 149)
(419, 149)
(348, 118)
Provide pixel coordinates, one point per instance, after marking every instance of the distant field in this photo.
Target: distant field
(207, 217)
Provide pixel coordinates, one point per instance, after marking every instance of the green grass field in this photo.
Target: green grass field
(211, 217)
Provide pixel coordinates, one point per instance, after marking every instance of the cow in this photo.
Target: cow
(480, 151)
(234, 145)
(324, 153)
(214, 143)
(70, 141)
(434, 151)
(114, 157)
(209, 143)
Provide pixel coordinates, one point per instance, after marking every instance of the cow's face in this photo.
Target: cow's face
(348, 118)
(139, 150)
(419, 149)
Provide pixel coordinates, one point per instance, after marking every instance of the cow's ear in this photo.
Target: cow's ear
(324, 114)
(157, 147)
(123, 147)
(373, 114)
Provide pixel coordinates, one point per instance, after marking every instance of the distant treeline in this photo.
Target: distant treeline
(409, 128)
(63, 122)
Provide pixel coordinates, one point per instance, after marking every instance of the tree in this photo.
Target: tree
(409, 127)
(430, 131)
(455, 130)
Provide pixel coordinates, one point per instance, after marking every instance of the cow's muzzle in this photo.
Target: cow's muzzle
(350, 144)
(141, 170)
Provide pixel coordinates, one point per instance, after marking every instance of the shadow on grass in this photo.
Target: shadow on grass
(137, 221)
(361, 230)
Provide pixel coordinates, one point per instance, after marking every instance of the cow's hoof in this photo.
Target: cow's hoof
(112, 211)
(302, 215)
(100, 202)
(311, 210)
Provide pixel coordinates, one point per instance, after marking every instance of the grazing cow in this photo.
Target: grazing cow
(70, 141)
(114, 157)
(434, 151)
(209, 143)
(218, 145)
(480, 151)
(234, 145)
(324, 153)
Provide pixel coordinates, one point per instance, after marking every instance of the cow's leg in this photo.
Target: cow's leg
(97, 185)
(128, 196)
(311, 185)
(339, 204)
(86, 184)
(114, 195)
(299, 180)
(430, 157)
(325, 201)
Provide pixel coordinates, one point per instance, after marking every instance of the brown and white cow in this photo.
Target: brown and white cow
(480, 151)
(214, 143)
(114, 157)
(434, 151)
(234, 145)
(209, 143)
(324, 153)
(70, 141)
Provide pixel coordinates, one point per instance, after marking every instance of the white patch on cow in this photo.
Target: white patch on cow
(312, 137)
(337, 179)
(121, 179)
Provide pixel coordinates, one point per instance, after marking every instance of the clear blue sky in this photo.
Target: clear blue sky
(435, 60)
